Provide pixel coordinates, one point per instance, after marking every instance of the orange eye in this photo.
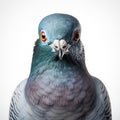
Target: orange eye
(43, 36)
(76, 36)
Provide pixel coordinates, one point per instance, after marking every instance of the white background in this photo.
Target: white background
(100, 21)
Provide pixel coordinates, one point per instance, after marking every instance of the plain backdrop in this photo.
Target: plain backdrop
(100, 22)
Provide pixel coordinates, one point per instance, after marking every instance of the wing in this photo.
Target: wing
(104, 98)
(18, 105)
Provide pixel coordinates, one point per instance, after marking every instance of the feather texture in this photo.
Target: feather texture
(59, 86)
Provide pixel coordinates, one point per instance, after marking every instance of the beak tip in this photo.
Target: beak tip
(60, 58)
(61, 54)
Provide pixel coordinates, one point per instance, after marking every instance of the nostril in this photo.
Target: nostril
(64, 46)
(56, 46)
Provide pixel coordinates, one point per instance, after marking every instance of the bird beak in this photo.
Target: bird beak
(61, 54)
(61, 47)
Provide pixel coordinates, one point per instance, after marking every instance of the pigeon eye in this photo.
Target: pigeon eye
(76, 36)
(43, 36)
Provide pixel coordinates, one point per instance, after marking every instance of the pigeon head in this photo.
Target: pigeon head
(61, 33)
(59, 43)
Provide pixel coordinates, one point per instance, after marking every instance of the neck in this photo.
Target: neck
(59, 84)
(46, 62)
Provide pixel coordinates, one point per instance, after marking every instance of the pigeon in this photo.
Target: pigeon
(59, 86)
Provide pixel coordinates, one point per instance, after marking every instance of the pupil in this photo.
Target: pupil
(76, 36)
(43, 36)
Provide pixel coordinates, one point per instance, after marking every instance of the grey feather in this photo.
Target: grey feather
(59, 86)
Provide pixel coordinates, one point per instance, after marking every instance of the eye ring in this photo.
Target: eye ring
(76, 36)
(43, 36)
